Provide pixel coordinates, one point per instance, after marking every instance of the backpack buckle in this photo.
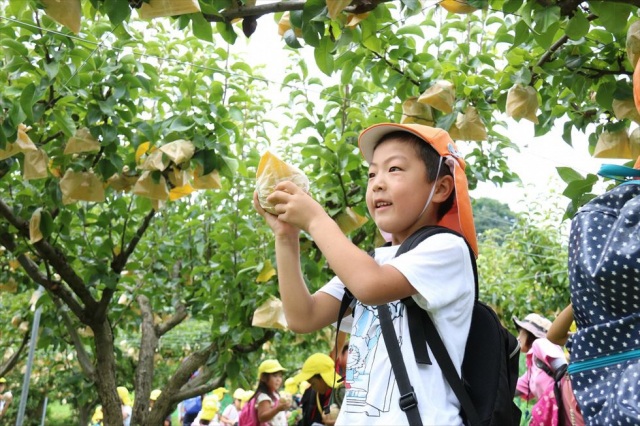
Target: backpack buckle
(408, 401)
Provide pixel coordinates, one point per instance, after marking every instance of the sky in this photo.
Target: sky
(535, 163)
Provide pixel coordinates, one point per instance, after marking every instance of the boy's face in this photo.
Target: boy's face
(398, 190)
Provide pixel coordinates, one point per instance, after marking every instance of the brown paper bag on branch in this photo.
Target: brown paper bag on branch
(626, 109)
(36, 165)
(270, 315)
(148, 188)
(272, 171)
(349, 221)
(160, 8)
(522, 102)
(613, 145)
(35, 234)
(178, 151)
(81, 141)
(469, 126)
(23, 140)
(65, 12)
(155, 161)
(416, 112)
(208, 181)
(441, 96)
(81, 186)
(633, 43)
(122, 182)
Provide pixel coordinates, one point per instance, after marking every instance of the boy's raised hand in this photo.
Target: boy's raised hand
(294, 206)
(278, 227)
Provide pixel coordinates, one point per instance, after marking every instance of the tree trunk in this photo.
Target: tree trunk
(106, 373)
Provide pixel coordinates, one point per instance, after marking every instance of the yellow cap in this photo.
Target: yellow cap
(238, 393)
(210, 406)
(219, 392)
(291, 386)
(3, 380)
(123, 393)
(155, 394)
(319, 364)
(270, 366)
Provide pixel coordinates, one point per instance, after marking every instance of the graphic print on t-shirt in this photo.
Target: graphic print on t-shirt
(370, 381)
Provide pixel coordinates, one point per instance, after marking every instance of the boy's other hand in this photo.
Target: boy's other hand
(278, 227)
(294, 206)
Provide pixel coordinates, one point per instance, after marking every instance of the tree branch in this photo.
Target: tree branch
(83, 358)
(144, 371)
(8, 366)
(179, 316)
(118, 263)
(244, 349)
(32, 270)
(228, 15)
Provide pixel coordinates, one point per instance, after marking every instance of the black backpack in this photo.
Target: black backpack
(491, 358)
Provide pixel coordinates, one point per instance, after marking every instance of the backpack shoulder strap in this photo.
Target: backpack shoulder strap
(423, 332)
(408, 401)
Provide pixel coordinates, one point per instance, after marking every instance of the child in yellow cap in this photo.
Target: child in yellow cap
(416, 179)
(229, 416)
(266, 404)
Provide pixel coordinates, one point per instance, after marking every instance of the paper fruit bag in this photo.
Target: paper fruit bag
(272, 171)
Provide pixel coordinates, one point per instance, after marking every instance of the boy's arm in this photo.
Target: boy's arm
(304, 312)
(370, 283)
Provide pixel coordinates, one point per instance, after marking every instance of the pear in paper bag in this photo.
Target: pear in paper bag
(416, 112)
(122, 182)
(613, 145)
(9, 150)
(626, 109)
(469, 126)
(441, 96)
(81, 186)
(522, 102)
(633, 43)
(349, 220)
(334, 7)
(35, 234)
(272, 171)
(270, 315)
(35, 165)
(178, 151)
(65, 12)
(147, 187)
(209, 181)
(161, 8)
(155, 161)
(81, 141)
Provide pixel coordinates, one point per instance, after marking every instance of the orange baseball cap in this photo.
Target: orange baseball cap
(460, 217)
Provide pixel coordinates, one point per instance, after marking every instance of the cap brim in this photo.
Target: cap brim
(302, 376)
(434, 136)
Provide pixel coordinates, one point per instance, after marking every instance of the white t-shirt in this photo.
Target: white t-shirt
(279, 419)
(440, 270)
(231, 413)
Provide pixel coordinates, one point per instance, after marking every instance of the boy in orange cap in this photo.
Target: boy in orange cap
(416, 179)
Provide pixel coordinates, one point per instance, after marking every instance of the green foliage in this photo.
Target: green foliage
(525, 270)
(491, 214)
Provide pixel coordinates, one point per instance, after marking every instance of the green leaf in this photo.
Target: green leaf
(227, 32)
(578, 26)
(201, 27)
(65, 122)
(613, 16)
(568, 175)
(17, 47)
(117, 10)
(291, 39)
(410, 29)
(577, 188)
(46, 223)
(323, 56)
(27, 100)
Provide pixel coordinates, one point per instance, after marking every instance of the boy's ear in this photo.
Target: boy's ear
(444, 186)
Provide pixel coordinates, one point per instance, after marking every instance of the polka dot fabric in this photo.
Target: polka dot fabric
(604, 274)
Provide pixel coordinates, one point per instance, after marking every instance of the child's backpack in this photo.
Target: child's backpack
(491, 358)
(249, 413)
(192, 406)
